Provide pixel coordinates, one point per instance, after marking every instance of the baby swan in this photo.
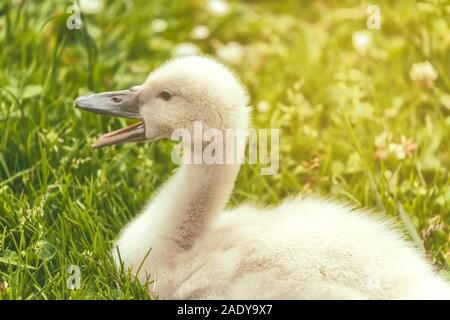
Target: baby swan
(303, 249)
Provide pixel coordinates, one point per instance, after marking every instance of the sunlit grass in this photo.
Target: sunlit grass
(358, 122)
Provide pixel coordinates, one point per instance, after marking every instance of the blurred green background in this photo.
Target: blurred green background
(364, 115)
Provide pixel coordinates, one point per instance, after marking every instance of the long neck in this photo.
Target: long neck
(188, 202)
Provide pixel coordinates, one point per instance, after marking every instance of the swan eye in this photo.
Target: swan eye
(116, 99)
(165, 95)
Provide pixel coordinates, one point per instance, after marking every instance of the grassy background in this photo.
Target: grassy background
(342, 108)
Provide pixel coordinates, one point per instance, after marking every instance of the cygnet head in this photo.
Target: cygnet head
(175, 96)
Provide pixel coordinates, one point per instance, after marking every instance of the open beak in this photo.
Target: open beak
(123, 104)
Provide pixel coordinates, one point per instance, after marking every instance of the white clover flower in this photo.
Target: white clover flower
(159, 25)
(397, 150)
(361, 41)
(218, 7)
(232, 52)
(409, 146)
(185, 49)
(263, 106)
(90, 6)
(424, 73)
(200, 32)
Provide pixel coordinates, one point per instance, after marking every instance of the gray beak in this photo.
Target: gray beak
(123, 104)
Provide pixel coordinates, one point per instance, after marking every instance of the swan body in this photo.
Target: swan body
(306, 248)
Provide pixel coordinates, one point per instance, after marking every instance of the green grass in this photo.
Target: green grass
(62, 203)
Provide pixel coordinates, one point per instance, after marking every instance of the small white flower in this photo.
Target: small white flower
(185, 49)
(200, 32)
(159, 25)
(232, 52)
(218, 7)
(263, 106)
(361, 41)
(423, 73)
(397, 150)
(90, 6)
(409, 146)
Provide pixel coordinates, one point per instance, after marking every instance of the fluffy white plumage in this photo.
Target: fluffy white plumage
(303, 249)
